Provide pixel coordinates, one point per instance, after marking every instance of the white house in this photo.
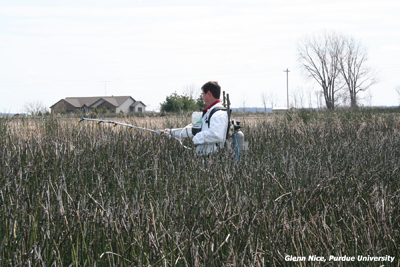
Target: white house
(84, 104)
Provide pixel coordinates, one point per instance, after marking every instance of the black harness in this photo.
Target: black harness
(212, 112)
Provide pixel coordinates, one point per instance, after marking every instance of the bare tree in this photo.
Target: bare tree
(272, 98)
(309, 97)
(191, 90)
(342, 99)
(244, 99)
(397, 88)
(368, 98)
(35, 107)
(319, 97)
(264, 100)
(319, 56)
(298, 98)
(357, 76)
(293, 100)
(299, 95)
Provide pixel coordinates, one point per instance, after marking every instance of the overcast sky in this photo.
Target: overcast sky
(149, 49)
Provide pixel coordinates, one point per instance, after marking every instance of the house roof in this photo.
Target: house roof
(116, 100)
(137, 102)
(79, 102)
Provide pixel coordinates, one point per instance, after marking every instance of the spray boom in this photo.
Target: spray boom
(115, 123)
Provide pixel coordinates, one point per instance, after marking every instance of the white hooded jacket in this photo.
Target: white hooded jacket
(214, 136)
(210, 138)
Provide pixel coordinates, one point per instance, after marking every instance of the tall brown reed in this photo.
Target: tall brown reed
(311, 184)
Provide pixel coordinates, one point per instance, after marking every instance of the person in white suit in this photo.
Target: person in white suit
(214, 122)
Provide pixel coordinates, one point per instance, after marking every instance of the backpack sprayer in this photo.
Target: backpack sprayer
(234, 141)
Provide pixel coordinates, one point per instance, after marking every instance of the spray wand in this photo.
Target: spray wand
(115, 123)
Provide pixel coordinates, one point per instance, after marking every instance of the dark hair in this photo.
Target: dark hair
(213, 87)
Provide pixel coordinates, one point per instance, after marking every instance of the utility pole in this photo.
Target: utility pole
(287, 86)
(105, 87)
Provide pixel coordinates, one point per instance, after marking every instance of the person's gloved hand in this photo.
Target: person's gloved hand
(167, 132)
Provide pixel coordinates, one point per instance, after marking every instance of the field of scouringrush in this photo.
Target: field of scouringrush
(322, 184)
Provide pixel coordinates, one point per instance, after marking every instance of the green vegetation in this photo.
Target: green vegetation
(178, 103)
(312, 184)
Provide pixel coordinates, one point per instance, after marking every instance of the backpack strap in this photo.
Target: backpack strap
(212, 112)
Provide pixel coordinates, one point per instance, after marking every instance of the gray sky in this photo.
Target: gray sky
(54, 49)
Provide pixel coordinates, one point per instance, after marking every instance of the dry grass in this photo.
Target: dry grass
(312, 184)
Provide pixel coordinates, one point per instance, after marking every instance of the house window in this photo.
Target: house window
(132, 109)
(140, 110)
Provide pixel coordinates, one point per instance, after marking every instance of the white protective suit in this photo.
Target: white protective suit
(210, 138)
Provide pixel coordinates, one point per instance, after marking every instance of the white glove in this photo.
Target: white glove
(167, 132)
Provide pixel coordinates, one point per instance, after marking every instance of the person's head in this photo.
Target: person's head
(211, 92)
